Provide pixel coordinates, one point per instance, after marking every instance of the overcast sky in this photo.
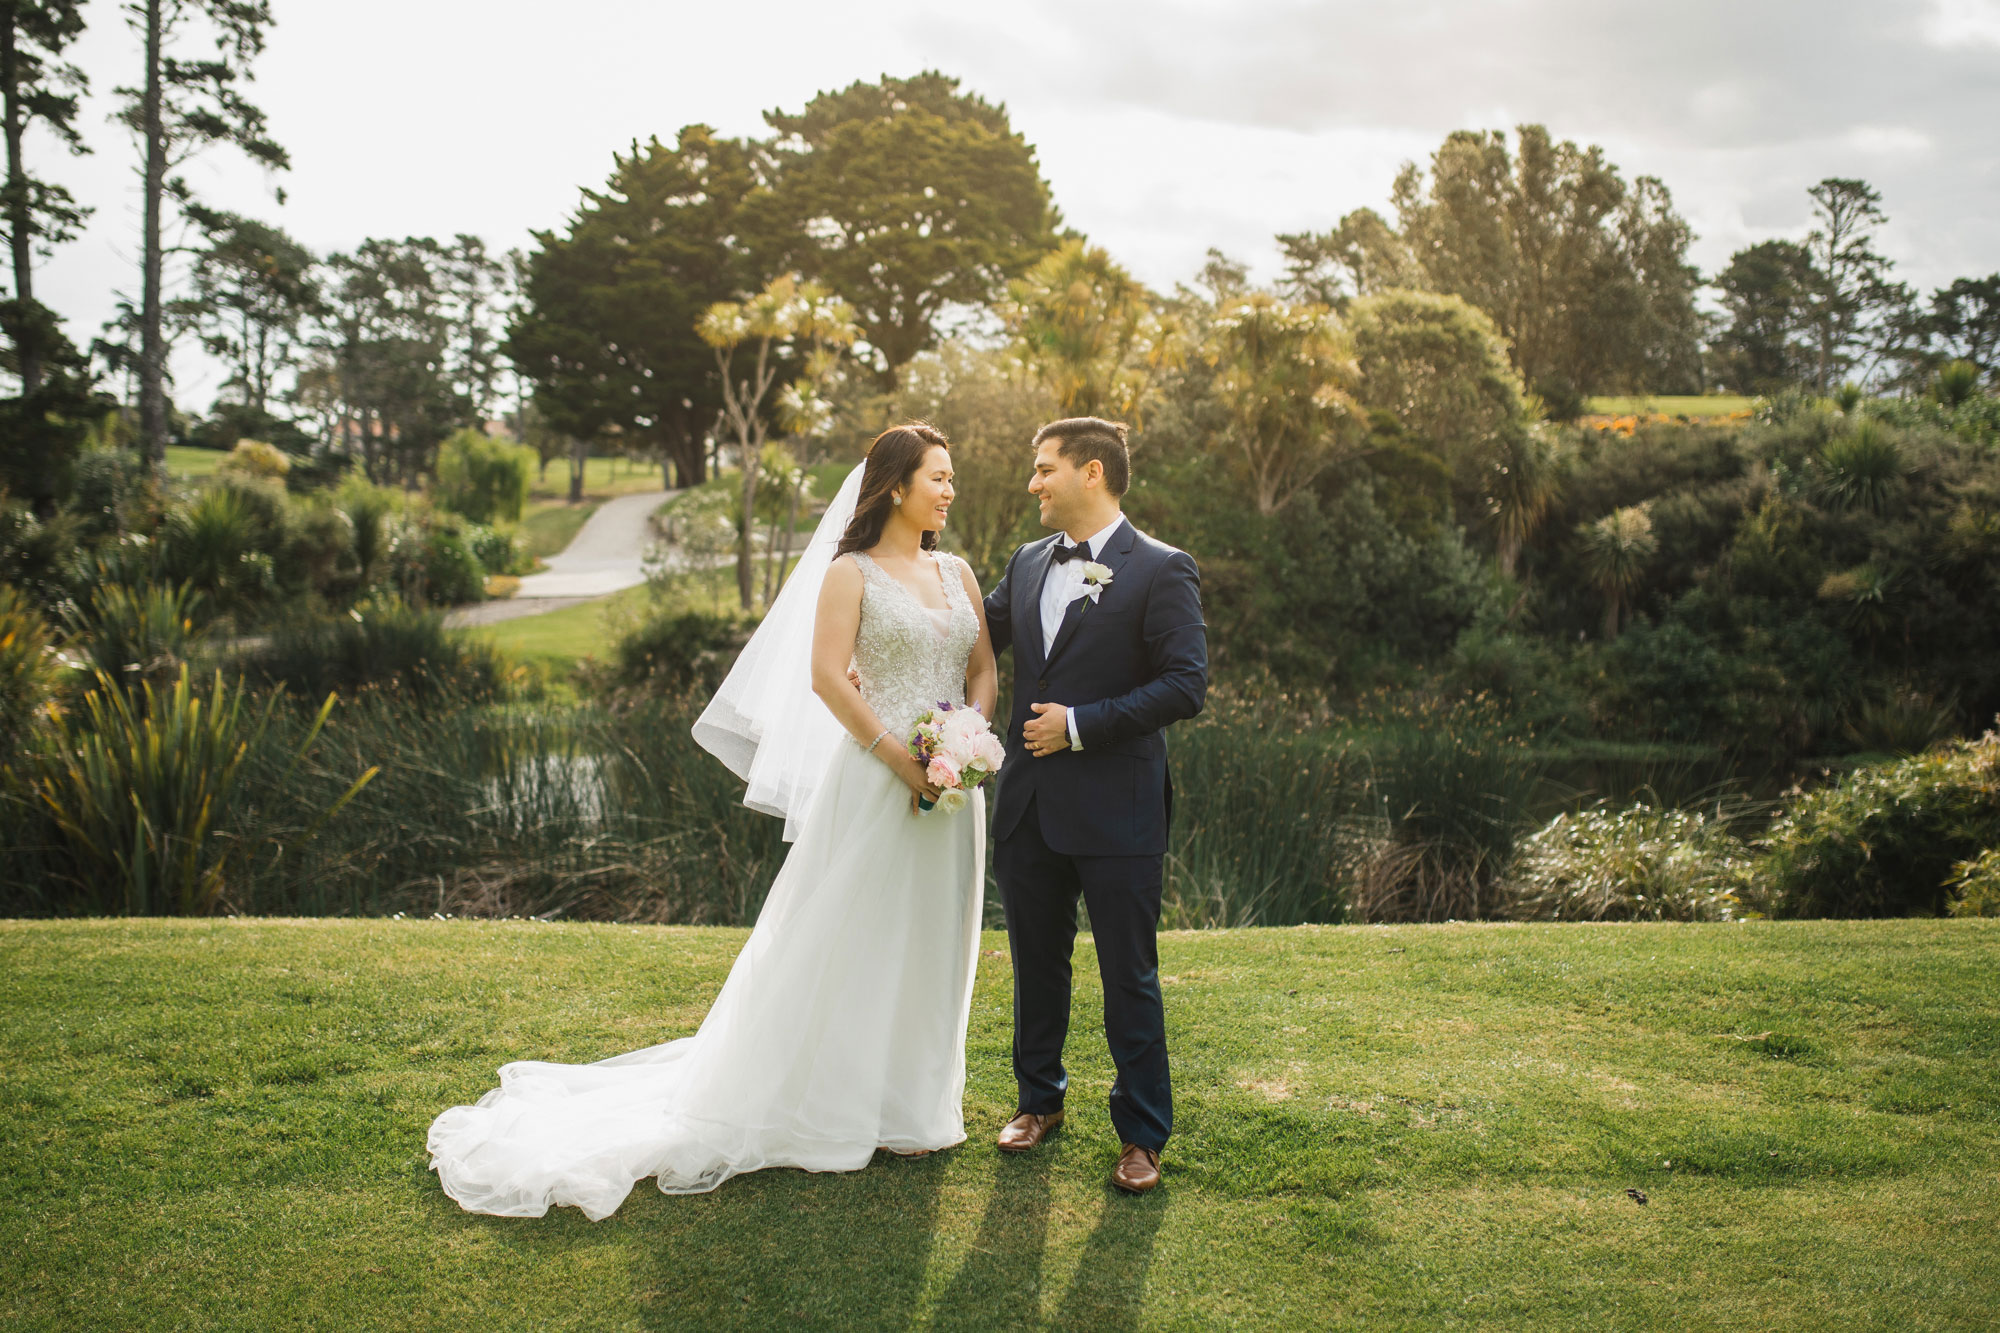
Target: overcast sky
(1164, 128)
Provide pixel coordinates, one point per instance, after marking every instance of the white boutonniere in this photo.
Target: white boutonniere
(1096, 578)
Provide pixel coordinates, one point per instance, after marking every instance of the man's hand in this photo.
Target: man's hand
(1048, 731)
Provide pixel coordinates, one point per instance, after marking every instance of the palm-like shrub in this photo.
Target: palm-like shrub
(1861, 470)
(1885, 839)
(1956, 381)
(1632, 864)
(1615, 551)
(221, 545)
(129, 634)
(137, 786)
(1977, 884)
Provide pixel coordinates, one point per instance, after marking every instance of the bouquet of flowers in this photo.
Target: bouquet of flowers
(959, 752)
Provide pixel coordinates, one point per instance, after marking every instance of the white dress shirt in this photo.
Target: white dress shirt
(1063, 586)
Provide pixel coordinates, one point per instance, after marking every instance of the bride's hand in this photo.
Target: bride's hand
(912, 774)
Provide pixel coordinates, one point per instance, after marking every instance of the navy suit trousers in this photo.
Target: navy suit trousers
(1039, 889)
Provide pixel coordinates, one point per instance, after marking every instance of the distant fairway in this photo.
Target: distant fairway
(1684, 405)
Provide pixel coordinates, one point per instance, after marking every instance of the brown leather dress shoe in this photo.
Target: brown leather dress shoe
(1026, 1130)
(1138, 1169)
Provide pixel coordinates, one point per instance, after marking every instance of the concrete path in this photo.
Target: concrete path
(605, 557)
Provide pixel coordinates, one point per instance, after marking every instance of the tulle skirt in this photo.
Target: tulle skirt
(841, 1029)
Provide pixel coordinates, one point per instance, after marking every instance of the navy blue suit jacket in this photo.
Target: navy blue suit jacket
(1128, 665)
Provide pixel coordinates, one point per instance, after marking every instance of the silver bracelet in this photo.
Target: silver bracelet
(877, 741)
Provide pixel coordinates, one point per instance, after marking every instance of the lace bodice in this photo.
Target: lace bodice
(906, 665)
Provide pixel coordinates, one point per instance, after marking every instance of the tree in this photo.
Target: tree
(1851, 296)
(36, 85)
(386, 338)
(989, 407)
(180, 108)
(254, 288)
(1088, 329)
(471, 282)
(1965, 321)
(1439, 367)
(786, 319)
(907, 196)
(1615, 550)
(1360, 257)
(1586, 277)
(1766, 296)
(1285, 374)
(605, 326)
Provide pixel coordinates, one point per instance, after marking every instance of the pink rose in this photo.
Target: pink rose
(941, 773)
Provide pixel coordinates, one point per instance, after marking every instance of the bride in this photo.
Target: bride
(841, 1028)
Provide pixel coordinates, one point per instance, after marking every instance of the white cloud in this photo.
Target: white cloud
(1963, 23)
(1164, 127)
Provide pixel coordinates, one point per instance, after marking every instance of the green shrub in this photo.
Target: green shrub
(497, 552)
(379, 648)
(678, 648)
(1884, 840)
(223, 543)
(1448, 786)
(1977, 883)
(254, 458)
(38, 556)
(137, 634)
(28, 670)
(1631, 864)
(136, 786)
(106, 485)
(483, 478)
(430, 563)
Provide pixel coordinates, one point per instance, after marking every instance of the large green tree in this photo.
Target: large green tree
(605, 327)
(907, 196)
(37, 87)
(1437, 365)
(1767, 292)
(40, 429)
(385, 344)
(1585, 275)
(1852, 302)
(1965, 323)
(180, 107)
(254, 288)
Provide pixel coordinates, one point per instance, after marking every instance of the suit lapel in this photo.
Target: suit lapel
(1028, 609)
(1117, 549)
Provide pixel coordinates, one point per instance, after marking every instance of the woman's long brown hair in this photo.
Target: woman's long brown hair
(893, 459)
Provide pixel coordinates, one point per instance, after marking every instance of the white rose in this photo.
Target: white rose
(951, 801)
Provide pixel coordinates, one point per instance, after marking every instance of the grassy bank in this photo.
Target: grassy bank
(219, 1124)
(559, 640)
(1673, 405)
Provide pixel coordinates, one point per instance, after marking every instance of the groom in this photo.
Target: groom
(1109, 648)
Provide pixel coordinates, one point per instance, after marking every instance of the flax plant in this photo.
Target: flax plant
(138, 786)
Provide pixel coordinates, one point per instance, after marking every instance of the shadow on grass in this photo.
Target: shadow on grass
(791, 1249)
(1000, 1282)
(1110, 1281)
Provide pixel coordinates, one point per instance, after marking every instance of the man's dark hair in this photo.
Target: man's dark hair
(1081, 439)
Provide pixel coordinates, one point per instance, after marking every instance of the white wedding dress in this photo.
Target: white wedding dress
(841, 1027)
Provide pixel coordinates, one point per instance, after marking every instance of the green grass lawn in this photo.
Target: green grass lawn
(220, 1125)
(603, 478)
(550, 525)
(185, 460)
(559, 639)
(1674, 405)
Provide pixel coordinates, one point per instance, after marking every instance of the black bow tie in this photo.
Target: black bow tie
(1062, 555)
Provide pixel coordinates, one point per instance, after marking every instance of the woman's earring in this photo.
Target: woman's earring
(895, 499)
